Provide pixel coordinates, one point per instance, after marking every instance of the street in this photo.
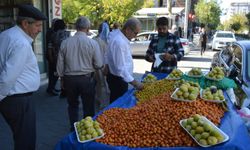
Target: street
(193, 59)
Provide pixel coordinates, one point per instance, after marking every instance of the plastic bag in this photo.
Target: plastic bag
(245, 115)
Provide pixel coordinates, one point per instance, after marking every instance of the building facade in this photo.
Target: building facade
(175, 3)
(239, 7)
(232, 7)
(51, 8)
(148, 17)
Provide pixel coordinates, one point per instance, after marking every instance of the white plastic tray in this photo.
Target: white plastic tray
(214, 101)
(173, 78)
(78, 138)
(206, 76)
(194, 76)
(225, 136)
(178, 99)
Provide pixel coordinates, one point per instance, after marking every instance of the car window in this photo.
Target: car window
(238, 56)
(91, 34)
(237, 60)
(248, 65)
(227, 55)
(152, 36)
(224, 35)
(143, 37)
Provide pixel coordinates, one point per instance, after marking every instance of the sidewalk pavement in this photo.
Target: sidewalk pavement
(52, 120)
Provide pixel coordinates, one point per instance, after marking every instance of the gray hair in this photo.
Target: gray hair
(132, 23)
(20, 19)
(82, 23)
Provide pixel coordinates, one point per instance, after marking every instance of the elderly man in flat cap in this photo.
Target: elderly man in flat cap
(20, 77)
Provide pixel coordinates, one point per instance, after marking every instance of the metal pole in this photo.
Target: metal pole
(187, 8)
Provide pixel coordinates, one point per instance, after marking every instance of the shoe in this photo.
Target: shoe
(52, 93)
(57, 90)
(62, 94)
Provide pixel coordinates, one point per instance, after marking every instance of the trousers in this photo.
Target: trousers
(117, 86)
(19, 112)
(52, 77)
(82, 86)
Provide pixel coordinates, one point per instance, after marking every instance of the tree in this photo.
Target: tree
(236, 26)
(148, 3)
(70, 11)
(220, 27)
(99, 10)
(239, 19)
(248, 22)
(208, 13)
(238, 23)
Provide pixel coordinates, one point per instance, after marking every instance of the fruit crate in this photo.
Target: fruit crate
(179, 99)
(208, 100)
(214, 132)
(78, 137)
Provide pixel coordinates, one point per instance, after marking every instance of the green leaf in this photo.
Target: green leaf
(208, 13)
(99, 10)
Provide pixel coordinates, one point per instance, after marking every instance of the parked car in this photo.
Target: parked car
(139, 45)
(94, 32)
(221, 39)
(237, 67)
(91, 34)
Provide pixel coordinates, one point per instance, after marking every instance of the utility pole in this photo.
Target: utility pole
(169, 7)
(187, 9)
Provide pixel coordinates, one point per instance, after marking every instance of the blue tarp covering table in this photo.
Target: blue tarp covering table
(231, 124)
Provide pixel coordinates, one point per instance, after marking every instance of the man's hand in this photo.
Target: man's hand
(137, 85)
(168, 57)
(151, 58)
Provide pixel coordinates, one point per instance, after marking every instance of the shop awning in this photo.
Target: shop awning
(162, 11)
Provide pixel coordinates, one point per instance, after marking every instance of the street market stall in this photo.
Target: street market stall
(231, 124)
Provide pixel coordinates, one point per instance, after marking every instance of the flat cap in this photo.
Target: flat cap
(26, 10)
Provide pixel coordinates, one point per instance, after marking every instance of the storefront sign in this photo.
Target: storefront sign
(57, 9)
